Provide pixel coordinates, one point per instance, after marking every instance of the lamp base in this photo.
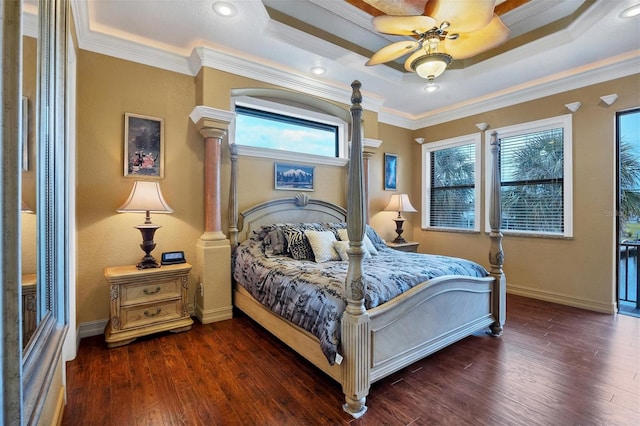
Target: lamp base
(399, 222)
(148, 230)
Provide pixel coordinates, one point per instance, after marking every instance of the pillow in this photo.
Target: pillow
(377, 241)
(274, 242)
(368, 245)
(321, 243)
(297, 243)
(342, 246)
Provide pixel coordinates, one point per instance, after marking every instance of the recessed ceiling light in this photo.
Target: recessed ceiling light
(223, 8)
(630, 12)
(318, 70)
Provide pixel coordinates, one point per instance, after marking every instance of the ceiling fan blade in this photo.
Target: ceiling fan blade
(464, 15)
(402, 25)
(410, 59)
(393, 51)
(471, 44)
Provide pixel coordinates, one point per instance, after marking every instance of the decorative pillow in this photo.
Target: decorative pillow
(368, 245)
(298, 244)
(377, 241)
(321, 243)
(274, 243)
(342, 246)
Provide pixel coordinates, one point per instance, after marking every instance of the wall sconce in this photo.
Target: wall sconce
(399, 203)
(609, 99)
(573, 106)
(482, 126)
(146, 197)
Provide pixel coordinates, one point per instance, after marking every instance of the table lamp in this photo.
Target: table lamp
(399, 203)
(146, 197)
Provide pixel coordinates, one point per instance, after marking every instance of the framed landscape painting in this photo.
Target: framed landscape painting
(390, 169)
(143, 146)
(294, 177)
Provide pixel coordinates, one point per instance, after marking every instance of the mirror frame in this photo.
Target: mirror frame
(43, 355)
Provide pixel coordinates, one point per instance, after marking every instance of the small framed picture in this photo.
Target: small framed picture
(143, 146)
(390, 168)
(294, 177)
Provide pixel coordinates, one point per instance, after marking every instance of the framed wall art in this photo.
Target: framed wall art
(390, 169)
(294, 177)
(143, 146)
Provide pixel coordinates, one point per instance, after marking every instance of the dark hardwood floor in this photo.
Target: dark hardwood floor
(554, 365)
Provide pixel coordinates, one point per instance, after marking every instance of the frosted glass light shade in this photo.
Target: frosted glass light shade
(431, 65)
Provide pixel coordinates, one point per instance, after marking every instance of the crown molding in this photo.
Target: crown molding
(270, 73)
(598, 72)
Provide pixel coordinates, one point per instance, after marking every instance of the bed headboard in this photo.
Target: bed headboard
(297, 209)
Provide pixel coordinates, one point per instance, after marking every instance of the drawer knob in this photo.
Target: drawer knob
(152, 314)
(149, 292)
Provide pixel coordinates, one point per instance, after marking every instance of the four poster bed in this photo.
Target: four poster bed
(361, 319)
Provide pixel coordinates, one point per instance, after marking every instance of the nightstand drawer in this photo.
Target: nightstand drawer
(149, 292)
(146, 301)
(139, 316)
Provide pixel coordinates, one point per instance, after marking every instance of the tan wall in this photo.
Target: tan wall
(399, 141)
(109, 87)
(578, 271)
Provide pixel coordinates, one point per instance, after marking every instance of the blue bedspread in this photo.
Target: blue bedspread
(312, 296)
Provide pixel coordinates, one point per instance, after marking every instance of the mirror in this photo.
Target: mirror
(29, 167)
(42, 356)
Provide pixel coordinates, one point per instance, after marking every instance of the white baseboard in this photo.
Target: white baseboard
(214, 315)
(92, 328)
(562, 299)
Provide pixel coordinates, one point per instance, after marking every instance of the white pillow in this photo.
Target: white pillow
(368, 245)
(342, 246)
(321, 243)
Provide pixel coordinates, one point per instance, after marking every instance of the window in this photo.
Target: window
(535, 177)
(451, 192)
(269, 129)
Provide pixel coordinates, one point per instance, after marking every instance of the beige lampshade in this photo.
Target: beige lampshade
(145, 197)
(400, 203)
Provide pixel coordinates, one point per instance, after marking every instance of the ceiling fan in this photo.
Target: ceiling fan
(466, 28)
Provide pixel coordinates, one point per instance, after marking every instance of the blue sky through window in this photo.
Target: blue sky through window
(265, 133)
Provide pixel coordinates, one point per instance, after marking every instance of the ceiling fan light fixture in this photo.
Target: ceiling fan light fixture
(431, 87)
(431, 65)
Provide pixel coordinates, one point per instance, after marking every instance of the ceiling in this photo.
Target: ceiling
(555, 45)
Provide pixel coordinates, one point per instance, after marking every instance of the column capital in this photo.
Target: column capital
(212, 132)
(204, 116)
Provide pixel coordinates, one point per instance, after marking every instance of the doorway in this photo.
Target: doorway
(628, 208)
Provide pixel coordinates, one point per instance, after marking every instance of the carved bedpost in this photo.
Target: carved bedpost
(496, 255)
(355, 320)
(233, 198)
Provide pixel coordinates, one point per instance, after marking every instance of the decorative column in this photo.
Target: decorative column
(212, 206)
(213, 250)
(496, 255)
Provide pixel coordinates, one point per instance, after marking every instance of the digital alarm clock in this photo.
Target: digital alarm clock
(173, 258)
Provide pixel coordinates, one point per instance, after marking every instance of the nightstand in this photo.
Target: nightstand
(409, 246)
(146, 301)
